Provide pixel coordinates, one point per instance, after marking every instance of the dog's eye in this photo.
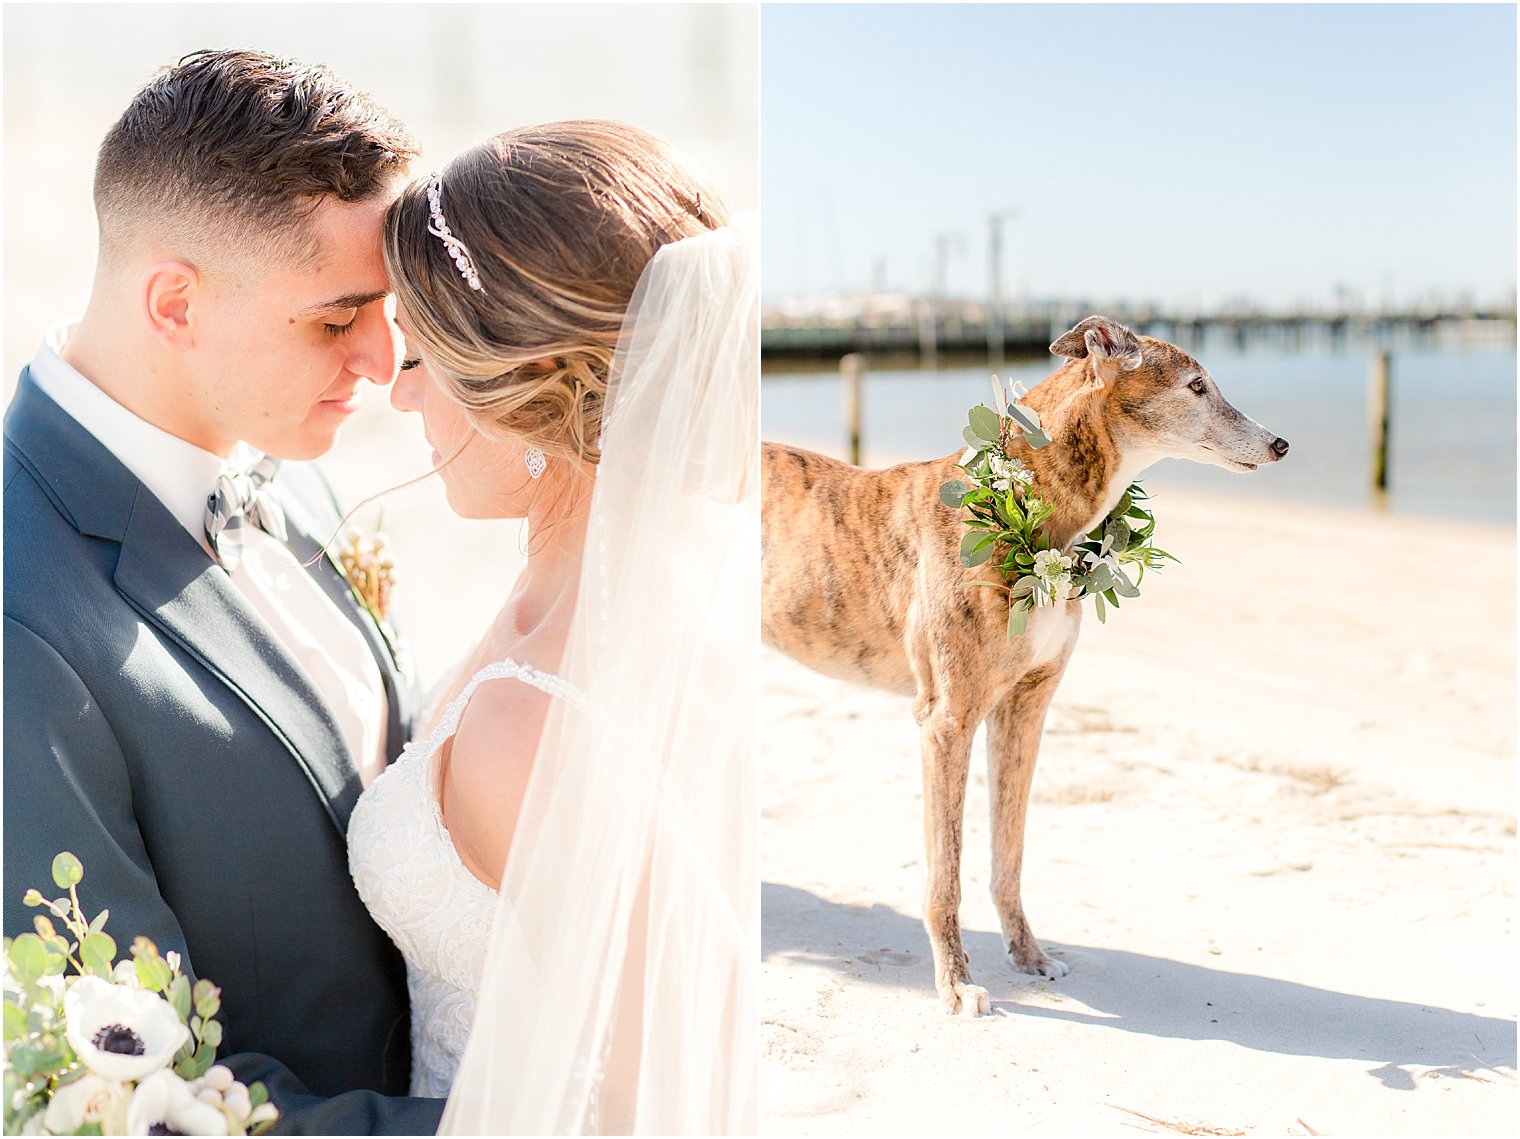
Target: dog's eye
(1199, 386)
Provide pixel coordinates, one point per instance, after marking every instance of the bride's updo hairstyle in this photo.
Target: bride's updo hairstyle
(556, 222)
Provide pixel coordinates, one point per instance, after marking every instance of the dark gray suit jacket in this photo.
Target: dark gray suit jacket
(156, 729)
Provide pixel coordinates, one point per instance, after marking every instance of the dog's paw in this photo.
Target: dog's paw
(968, 1000)
(1038, 963)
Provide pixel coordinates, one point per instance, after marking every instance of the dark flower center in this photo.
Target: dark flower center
(163, 1129)
(120, 1039)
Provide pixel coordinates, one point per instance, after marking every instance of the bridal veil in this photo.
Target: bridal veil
(620, 988)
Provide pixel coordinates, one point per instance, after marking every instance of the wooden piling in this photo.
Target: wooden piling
(1378, 416)
(852, 373)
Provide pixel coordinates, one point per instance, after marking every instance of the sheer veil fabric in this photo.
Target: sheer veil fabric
(620, 988)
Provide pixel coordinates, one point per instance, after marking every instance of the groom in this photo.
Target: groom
(190, 707)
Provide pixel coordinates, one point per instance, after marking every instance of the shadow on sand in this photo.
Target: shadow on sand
(1130, 992)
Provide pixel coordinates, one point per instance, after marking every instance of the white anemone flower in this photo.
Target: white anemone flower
(89, 1099)
(121, 1033)
(164, 1105)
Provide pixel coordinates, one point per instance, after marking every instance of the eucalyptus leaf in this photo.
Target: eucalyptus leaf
(204, 990)
(211, 1033)
(28, 958)
(1123, 586)
(67, 871)
(100, 921)
(1018, 619)
(152, 973)
(954, 493)
(15, 1021)
(977, 557)
(1098, 607)
(986, 424)
(98, 954)
(1027, 418)
(179, 996)
(1037, 439)
(205, 1056)
(973, 440)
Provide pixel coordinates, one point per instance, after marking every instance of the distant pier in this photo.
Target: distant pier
(917, 337)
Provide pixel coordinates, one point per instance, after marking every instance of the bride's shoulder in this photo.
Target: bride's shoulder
(490, 759)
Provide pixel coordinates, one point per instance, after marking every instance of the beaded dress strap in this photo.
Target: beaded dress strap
(545, 682)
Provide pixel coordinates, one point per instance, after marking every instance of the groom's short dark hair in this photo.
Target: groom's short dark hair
(227, 153)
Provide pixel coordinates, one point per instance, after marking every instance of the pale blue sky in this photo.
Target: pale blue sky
(1184, 153)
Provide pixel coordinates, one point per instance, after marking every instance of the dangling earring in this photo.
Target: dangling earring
(535, 461)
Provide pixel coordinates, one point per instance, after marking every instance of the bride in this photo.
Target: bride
(566, 853)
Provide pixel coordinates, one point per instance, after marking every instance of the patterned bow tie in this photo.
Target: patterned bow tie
(238, 498)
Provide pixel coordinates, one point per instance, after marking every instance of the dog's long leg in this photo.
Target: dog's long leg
(1013, 742)
(946, 762)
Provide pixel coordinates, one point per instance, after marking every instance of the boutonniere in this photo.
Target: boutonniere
(368, 568)
(1006, 514)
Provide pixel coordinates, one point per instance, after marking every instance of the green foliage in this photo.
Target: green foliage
(67, 872)
(38, 1057)
(1007, 517)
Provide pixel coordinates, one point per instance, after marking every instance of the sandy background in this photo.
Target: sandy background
(1273, 835)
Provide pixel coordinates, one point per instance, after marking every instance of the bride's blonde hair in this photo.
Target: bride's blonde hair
(559, 221)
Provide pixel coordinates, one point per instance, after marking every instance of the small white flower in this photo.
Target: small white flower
(164, 1101)
(236, 1101)
(1006, 471)
(89, 1099)
(1053, 568)
(265, 1111)
(121, 1033)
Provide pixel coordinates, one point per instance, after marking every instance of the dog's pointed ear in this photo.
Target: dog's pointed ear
(1108, 344)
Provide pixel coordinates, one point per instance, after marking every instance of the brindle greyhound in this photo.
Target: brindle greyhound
(863, 581)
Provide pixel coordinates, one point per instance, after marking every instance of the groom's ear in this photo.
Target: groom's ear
(166, 290)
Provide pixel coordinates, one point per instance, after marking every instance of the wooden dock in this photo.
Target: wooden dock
(959, 335)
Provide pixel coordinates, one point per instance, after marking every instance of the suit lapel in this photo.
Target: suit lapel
(168, 578)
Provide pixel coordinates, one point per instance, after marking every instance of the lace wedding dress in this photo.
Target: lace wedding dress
(415, 887)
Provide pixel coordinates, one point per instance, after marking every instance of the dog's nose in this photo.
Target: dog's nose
(1280, 447)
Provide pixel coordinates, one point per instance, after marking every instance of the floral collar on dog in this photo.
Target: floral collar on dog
(1007, 512)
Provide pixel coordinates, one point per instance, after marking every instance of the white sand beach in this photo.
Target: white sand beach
(1273, 836)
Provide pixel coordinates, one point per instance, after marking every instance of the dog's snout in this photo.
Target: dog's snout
(1279, 447)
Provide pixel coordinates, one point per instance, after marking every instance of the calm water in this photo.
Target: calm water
(1452, 444)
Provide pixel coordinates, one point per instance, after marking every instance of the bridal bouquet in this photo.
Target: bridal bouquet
(113, 1047)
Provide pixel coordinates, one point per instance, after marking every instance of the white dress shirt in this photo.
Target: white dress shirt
(300, 616)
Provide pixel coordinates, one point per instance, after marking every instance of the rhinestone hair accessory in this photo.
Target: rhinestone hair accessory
(534, 458)
(439, 228)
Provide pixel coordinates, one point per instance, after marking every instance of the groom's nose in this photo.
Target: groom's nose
(377, 345)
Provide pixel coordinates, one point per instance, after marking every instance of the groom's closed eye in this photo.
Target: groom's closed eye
(345, 327)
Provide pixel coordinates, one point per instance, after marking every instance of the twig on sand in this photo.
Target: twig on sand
(1179, 1128)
